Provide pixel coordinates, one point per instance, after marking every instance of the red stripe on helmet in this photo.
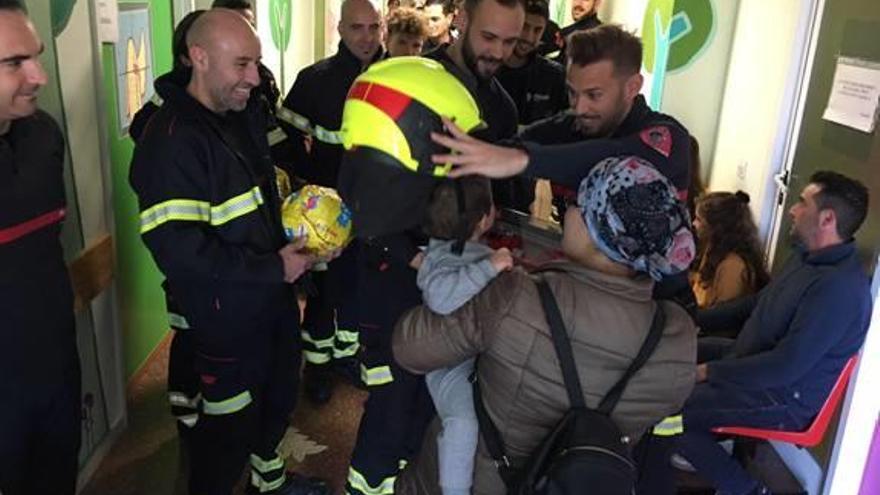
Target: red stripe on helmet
(390, 101)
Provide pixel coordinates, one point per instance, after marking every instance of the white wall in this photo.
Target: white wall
(694, 94)
(750, 139)
(301, 50)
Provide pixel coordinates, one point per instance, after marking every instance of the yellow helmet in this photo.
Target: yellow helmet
(395, 105)
(387, 175)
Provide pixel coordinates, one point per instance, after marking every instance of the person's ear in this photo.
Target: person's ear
(828, 220)
(633, 85)
(198, 56)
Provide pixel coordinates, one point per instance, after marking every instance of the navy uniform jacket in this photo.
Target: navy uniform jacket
(312, 112)
(209, 210)
(36, 301)
(537, 88)
(653, 136)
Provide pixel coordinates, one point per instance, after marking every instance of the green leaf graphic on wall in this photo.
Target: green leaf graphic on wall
(61, 10)
(279, 21)
(692, 29)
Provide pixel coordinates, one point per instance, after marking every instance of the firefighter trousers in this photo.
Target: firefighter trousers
(399, 407)
(330, 322)
(248, 387)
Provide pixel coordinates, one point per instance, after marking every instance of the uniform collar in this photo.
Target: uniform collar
(635, 118)
(344, 55)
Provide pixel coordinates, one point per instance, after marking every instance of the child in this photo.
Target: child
(455, 268)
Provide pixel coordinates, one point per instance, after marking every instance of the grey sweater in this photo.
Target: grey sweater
(448, 280)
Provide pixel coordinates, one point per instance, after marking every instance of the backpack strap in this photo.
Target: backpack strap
(562, 346)
(491, 436)
(613, 396)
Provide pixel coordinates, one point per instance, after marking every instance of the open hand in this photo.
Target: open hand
(470, 156)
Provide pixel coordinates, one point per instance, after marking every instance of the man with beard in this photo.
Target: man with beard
(491, 29)
(211, 219)
(537, 85)
(585, 15)
(607, 117)
(796, 335)
(39, 364)
(311, 116)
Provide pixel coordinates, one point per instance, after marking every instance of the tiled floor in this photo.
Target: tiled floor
(146, 459)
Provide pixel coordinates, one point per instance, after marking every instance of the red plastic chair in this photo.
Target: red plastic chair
(812, 435)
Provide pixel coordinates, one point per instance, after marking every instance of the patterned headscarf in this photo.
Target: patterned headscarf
(635, 218)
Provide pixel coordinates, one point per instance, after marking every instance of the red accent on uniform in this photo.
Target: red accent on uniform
(18, 231)
(209, 379)
(682, 195)
(659, 139)
(389, 100)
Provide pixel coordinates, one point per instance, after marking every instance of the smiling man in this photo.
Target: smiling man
(39, 365)
(210, 216)
(490, 32)
(536, 84)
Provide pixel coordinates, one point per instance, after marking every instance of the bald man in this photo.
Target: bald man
(210, 218)
(311, 116)
(39, 366)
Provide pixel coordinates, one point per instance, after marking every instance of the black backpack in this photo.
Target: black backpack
(585, 453)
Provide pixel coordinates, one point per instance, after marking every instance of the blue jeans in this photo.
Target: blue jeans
(710, 406)
(453, 397)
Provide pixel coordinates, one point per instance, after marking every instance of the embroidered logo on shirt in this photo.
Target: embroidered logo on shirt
(659, 139)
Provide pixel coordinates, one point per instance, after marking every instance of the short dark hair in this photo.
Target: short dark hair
(444, 220)
(13, 5)
(232, 4)
(406, 20)
(470, 5)
(847, 197)
(606, 42)
(539, 8)
(178, 39)
(448, 5)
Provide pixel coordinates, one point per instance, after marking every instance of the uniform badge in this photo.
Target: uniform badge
(659, 139)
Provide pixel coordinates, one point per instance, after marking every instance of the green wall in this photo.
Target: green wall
(141, 301)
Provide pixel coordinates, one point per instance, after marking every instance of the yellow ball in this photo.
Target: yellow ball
(318, 214)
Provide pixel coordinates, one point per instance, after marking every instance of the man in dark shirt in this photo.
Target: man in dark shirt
(585, 15)
(797, 334)
(39, 365)
(440, 14)
(491, 30)
(537, 85)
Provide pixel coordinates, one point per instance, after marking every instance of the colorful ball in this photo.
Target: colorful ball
(318, 214)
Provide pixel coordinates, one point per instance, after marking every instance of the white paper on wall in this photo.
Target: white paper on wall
(108, 21)
(855, 94)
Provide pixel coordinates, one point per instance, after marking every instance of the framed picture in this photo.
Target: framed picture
(134, 62)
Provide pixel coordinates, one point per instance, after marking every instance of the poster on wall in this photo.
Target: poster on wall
(855, 94)
(134, 62)
(108, 20)
(332, 15)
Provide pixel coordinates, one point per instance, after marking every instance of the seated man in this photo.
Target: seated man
(604, 294)
(800, 331)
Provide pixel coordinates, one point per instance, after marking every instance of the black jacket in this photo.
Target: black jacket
(313, 110)
(587, 22)
(500, 115)
(36, 302)
(653, 136)
(537, 88)
(209, 209)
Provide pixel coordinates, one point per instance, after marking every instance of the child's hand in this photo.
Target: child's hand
(501, 259)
